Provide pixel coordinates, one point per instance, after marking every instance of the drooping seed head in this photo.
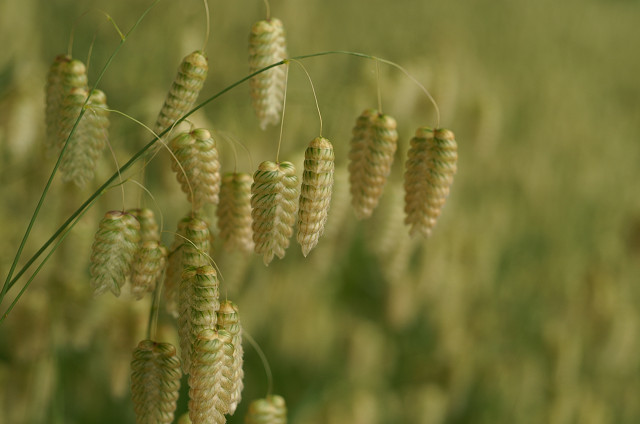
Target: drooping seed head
(228, 320)
(198, 171)
(315, 193)
(209, 382)
(234, 212)
(191, 247)
(198, 305)
(430, 167)
(184, 90)
(271, 410)
(112, 252)
(148, 268)
(148, 225)
(373, 147)
(274, 191)
(267, 45)
(155, 382)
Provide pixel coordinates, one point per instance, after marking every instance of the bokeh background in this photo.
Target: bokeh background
(521, 308)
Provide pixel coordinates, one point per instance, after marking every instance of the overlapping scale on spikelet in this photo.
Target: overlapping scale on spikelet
(228, 320)
(88, 140)
(113, 250)
(209, 379)
(148, 267)
(199, 170)
(149, 230)
(234, 212)
(155, 382)
(315, 192)
(373, 147)
(431, 165)
(271, 410)
(184, 90)
(273, 201)
(198, 304)
(64, 75)
(191, 248)
(267, 45)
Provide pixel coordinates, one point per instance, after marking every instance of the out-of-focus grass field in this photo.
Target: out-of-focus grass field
(521, 308)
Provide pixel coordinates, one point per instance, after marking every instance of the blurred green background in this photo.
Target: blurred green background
(521, 307)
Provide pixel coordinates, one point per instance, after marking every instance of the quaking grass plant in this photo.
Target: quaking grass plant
(256, 213)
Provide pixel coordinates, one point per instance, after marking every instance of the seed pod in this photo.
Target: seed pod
(430, 167)
(234, 212)
(148, 224)
(89, 138)
(198, 304)
(197, 153)
(229, 321)
(148, 267)
(190, 248)
(273, 195)
(315, 193)
(209, 382)
(155, 382)
(64, 75)
(271, 410)
(184, 90)
(267, 45)
(373, 147)
(112, 252)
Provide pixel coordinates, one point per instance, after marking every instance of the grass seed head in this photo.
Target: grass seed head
(112, 252)
(148, 268)
(184, 90)
(155, 382)
(234, 212)
(271, 410)
(430, 167)
(209, 382)
(198, 304)
(228, 320)
(267, 45)
(273, 200)
(198, 156)
(315, 192)
(373, 147)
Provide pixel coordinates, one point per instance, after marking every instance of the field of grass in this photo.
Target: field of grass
(522, 307)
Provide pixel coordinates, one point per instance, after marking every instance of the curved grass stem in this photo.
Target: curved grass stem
(70, 222)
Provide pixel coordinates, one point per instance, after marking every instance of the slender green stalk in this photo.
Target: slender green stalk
(82, 209)
(6, 286)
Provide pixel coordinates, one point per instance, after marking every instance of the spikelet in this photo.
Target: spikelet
(373, 147)
(184, 90)
(267, 45)
(90, 137)
(315, 193)
(54, 97)
(234, 212)
(148, 225)
(112, 252)
(271, 410)
(155, 382)
(198, 304)
(229, 320)
(184, 253)
(148, 267)
(273, 195)
(197, 153)
(209, 382)
(430, 167)
(64, 75)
